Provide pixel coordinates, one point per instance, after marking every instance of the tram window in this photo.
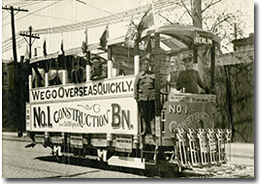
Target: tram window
(98, 69)
(122, 66)
(38, 75)
(123, 59)
(54, 76)
(78, 71)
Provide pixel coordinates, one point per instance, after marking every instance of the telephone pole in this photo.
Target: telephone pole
(12, 9)
(197, 13)
(30, 35)
(18, 103)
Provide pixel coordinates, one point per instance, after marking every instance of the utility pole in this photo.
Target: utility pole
(197, 22)
(197, 13)
(12, 9)
(30, 35)
(235, 33)
(17, 100)
(35, 36)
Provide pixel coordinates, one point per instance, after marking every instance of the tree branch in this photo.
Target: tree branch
(211, 4)
(187, 9)
(218, 23)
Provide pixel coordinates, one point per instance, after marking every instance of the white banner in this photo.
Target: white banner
(118, 115)
(95, 89)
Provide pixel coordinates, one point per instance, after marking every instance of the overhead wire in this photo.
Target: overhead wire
(10, 40)
(17, 3)
(34, 12)
(95, 7)
(103, 20)
(252, 8)
(51, 17)
(163, 4)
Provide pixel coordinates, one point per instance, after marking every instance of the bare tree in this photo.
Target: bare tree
(205, 14)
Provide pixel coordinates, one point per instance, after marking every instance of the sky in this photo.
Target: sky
(51, 13)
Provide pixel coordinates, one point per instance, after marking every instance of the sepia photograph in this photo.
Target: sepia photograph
(131, 89)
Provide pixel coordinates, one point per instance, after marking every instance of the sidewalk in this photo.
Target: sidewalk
(238, 153)
(13, 136)
(241, 153)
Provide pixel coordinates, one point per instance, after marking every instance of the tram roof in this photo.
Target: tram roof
(187, 34)
(182, 37)
(175, 37)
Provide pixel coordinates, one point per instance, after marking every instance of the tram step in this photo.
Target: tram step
(149, 152)
(126, 162)
(150, 162)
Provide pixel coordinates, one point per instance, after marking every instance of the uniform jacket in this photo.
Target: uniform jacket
(190, 79)
(144, 86)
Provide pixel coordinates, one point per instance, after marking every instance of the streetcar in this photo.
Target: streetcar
(98, 118)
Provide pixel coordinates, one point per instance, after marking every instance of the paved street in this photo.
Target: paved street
(20, 162)
(37, 162)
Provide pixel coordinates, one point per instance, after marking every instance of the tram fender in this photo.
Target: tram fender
(126, 162)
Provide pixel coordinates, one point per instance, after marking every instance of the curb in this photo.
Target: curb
(17, 139)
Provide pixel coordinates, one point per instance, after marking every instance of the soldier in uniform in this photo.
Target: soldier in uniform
(99, 70)
(189, 79)
(144, 94)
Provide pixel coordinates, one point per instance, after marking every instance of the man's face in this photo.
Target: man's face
(146, 65)
(172, 67)
(189, 65)
(95, 63)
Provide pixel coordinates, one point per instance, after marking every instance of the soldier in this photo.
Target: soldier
(190, 78)
(97, 69)
(145, 96)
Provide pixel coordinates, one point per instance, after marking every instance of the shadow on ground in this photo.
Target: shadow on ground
(153, 173)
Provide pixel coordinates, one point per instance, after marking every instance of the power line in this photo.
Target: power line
(15, 3)
(94, 7)
(164, 5)
(104, 20)
(52, 17)
(248, 5)
(34, 12)
(12, 9)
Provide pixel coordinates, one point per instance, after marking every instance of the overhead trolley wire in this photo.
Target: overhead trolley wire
(103, 20)
(34, 12)
(94, 7)
(137, 12)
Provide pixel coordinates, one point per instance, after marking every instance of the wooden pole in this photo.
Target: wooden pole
(213, 64)
(157, 61)
(197, 13)
(17, 101)
(12, 9)
(13, 34)
(197, 22)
